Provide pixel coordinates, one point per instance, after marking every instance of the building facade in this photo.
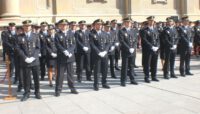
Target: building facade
(53, 10)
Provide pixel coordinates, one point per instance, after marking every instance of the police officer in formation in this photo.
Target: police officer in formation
(43, 52)
(51, 54)
(186, 45)
(83, 51)
(28, 48)
(128, 41)
(65, 43)
(100, 44)
(170, 41)
(60, 46)
(150, 48)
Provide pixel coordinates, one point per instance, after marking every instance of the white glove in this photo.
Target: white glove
(39, 55)
(101, 54)
(112, 48)
(104, 53)
(66, 53)
(190, 45)
(85, 48)
(70, 55)
(32, 59)
(174, 47)
(131, 50)
(155, 49)
(117, 44)
(29, 59)
(54, 55)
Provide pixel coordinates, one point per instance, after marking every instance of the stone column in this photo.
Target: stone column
(9, 9)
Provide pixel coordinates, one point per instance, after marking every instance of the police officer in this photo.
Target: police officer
(128, 42)
(197, 38)
(51, 54)
(150, 46)
(65, 43)
(186, 45)
(9, 39)
(100, 45)
(83, 51)
(43, 36)
(115, 30)
(112, 37)
(170, 39)
(28, 48)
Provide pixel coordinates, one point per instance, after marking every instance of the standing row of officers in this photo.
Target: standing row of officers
(91, 49)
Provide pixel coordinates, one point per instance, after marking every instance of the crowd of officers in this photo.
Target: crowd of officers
(34, 49)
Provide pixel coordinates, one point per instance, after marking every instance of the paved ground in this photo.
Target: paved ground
(174, 96)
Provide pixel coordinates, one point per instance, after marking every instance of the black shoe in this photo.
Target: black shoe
(42, 79)
(19, 89)
(123, 84)
(25, 97)
(135, 74)
(96, 87)
(50, 85)
(166, 77)
(32, 87)
(106, 86)
(117, 68)
(134, 82)
(73, 91)
(38, 96)
(155, 80)
(89, 79)
(79, 80)
(147, 80)
(57, 94)
(114, 77)
(135, 66)
(15, 82)
(174, 76)
(189, 73)
(182, 74)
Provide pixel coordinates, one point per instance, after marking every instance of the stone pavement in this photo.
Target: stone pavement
(174, 96)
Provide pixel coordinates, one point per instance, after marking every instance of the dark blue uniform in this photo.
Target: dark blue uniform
(128, 41)
(83, 57)
(99, 43)
(170, 40)
(185, 43)
(150, 39)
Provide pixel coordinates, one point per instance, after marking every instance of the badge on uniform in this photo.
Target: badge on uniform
(61, 38)
(48, 40)
(80, 34)
(198, 29)
(10, 36)
(148, 32)
(184, 31)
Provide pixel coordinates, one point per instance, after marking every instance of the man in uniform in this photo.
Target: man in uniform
(9, 39)
(128, 43)
(115, 30)
(43, 36)
(100, 46)
(83, 51)
(170, 39)
(150, 46)
(65, 43)
(28, 48)
(186, 45)
(112, 37)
